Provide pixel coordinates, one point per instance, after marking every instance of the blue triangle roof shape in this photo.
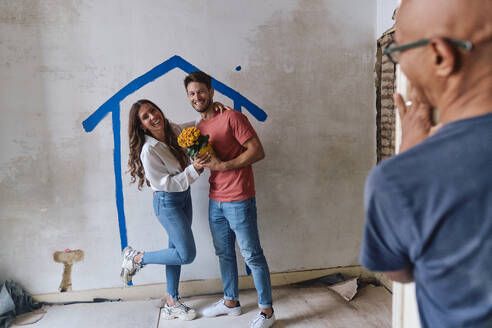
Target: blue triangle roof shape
(174, 62)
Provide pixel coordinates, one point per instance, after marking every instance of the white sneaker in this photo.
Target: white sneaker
(261, 321)
(219, 308)
(128, 267)
(179, 310)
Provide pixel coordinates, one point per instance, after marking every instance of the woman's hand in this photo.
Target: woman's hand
(219, 107)
(199, 162)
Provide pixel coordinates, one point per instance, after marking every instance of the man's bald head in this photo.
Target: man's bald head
(442, 71)
(457, 19)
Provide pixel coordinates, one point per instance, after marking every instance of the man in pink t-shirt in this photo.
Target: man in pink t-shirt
(232, 206)
(228, 132)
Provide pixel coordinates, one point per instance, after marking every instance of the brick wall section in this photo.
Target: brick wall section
(385, 87)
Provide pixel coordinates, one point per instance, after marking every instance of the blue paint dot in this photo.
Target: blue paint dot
(238, 68)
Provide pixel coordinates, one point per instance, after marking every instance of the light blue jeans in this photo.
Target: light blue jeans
(174, 212)
(237, 220)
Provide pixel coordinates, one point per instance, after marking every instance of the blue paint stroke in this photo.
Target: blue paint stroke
(112, 105)
(117, 176)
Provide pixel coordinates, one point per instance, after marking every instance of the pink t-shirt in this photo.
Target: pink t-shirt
(228, 132)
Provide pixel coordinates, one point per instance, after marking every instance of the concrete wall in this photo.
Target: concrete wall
(308, 64)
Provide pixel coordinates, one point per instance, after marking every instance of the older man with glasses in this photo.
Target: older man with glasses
(429, 209)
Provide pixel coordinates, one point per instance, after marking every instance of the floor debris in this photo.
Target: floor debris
(347, 289)
(14, 301)
(29, 318)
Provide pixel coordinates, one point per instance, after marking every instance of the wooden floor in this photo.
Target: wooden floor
(294, 307)
(303, 307)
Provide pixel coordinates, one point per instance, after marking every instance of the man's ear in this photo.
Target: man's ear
(445, 57)
(211, 93)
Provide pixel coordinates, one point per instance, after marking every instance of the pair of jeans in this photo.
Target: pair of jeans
(238, 220)
(174, 212)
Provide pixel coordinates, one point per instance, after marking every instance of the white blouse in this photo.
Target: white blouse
(162, 169)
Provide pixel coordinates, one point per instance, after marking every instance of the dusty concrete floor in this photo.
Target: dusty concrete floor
(294, 307)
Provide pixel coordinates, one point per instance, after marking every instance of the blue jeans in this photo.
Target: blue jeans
(174, 212)
(231, 220)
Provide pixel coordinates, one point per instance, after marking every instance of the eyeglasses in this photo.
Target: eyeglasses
(392, 50)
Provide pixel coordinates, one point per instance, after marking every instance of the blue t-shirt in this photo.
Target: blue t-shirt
(430, 209)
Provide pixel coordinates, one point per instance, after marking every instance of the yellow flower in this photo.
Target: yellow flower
(188, 137)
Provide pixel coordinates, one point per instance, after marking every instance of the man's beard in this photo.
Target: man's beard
(205, 108)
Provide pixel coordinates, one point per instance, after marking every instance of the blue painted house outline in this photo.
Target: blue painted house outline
(112, 105)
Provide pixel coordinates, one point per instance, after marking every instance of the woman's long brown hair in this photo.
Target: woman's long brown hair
(136, 136)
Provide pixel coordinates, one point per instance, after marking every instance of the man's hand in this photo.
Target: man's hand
(219, 107)
(416, 121)
(214, 163)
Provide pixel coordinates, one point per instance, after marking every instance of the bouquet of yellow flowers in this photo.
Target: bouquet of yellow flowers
(195, 143)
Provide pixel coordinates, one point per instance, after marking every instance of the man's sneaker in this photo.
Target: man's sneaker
(179, 310)
(261, 321)
(219, 308)
(128, 266)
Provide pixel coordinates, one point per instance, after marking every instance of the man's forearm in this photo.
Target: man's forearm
(245, 159)
(254, 152)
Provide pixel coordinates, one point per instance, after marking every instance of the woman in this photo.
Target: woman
(157, 160)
